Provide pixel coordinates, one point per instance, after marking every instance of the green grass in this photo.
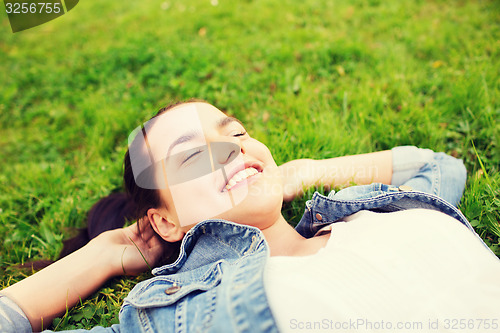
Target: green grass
(313, 79)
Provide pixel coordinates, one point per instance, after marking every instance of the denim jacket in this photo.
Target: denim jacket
(216, 284)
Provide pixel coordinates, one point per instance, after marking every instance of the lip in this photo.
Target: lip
(258, 166)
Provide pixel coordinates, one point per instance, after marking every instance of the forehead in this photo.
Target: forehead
(189, 118)
(186, 117)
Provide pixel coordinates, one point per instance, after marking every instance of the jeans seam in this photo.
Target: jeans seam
(436, 176)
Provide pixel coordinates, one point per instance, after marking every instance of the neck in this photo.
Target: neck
(283, 240)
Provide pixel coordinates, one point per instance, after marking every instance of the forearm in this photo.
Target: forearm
(337, 171)
(357, 169)
(48, 293)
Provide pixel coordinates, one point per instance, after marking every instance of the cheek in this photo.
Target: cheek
(201, 199)
(259, 151)
(269, 188)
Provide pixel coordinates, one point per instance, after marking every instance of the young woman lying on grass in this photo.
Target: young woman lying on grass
(207, 192)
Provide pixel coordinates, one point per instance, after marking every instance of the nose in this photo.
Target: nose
(224, 152)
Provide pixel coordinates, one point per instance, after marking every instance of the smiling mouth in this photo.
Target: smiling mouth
(240, 176)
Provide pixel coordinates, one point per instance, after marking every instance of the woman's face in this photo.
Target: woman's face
(213, 168)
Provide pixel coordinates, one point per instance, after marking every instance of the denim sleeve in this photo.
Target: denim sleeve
(426, 171)
(98, 329)
(13, 320)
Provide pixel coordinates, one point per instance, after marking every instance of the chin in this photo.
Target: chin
(256, 210)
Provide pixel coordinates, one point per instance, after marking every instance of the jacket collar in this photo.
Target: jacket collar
(213, 240)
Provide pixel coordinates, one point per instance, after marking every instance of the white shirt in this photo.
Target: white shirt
(415, 270)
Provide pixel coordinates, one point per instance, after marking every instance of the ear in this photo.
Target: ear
(166, 228)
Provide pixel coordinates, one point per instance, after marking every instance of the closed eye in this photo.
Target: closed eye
(231, 154)
(240, 134)
(191, 156)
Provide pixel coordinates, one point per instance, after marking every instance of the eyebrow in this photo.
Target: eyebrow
(221, 123)
(226, 121)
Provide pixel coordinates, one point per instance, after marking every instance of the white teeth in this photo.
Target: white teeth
(241, 175)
